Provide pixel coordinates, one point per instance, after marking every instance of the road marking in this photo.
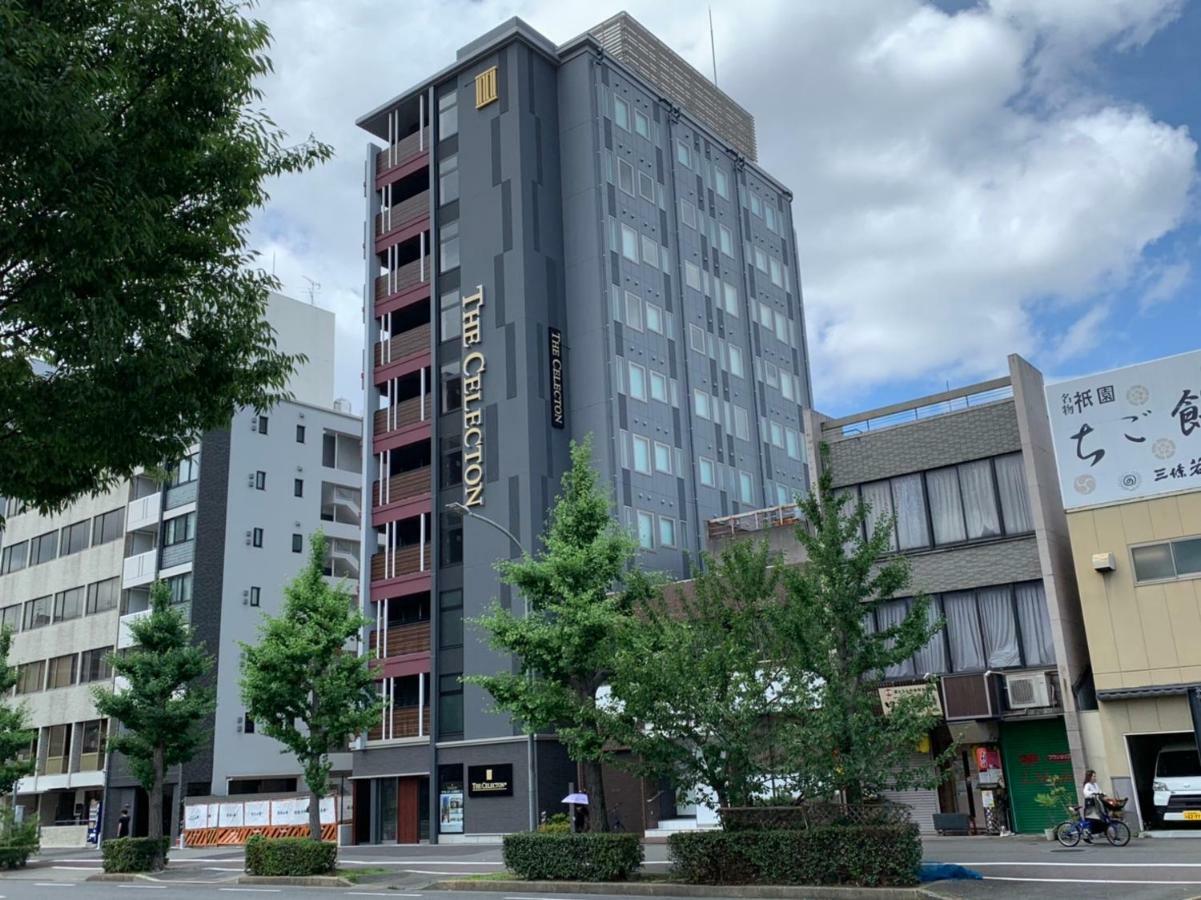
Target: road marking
(371, 894)
(222, 869)
(418, 862)
(144, 887)
(78, 868)
(1088, 865)
(53, 884)
(1076, 881)
(251, 890)
(434, 872)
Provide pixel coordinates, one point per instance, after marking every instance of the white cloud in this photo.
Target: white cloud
(1165, 284)
(947, 192)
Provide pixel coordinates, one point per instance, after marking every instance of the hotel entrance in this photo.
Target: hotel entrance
(393, 810)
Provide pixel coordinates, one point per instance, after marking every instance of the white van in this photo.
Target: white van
(1177, 784)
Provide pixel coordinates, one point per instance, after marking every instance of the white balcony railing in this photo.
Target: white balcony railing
(139, 569)
(144, 512)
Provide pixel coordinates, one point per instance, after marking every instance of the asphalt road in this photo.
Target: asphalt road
(1013, 869)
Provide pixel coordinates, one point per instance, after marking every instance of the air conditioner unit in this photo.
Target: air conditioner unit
(1027, 691)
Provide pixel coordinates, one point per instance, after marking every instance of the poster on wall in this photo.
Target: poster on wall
(450, 812)
(300, 810)
(258, 813)
(214, 815)
(1128, 433)
(231, 815)
(327, 811)
(195, 816)
(281, 811)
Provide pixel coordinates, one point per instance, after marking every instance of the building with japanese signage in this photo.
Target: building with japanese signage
(1128, 447)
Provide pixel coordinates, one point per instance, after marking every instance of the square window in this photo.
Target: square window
(646, 186)
(625, 176)
(300, 434)
(1153, 562)
(654, 318)
(1187, 555)
(256, 594)
(297, 543)
(646, 531)
(726, 240)
(298, 487)
(634, 311)
(696, 338)
(650, 250)
(256, 537)
(707, 472)
(642, 455)
(260, 481)
(642, 125)
(736, 362)
(688, 214)
(658, 387)
(730, 294)
(629, 243)
(637, 381)
(721, 184)
(683, 154)
(621, 113)
(700, 403)
(746, 487)
(662, 458)
(667, 531)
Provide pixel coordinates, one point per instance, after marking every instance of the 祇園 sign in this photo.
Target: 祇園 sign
(1128, 433)
(558, 405)
(473, 364)
(490, 781)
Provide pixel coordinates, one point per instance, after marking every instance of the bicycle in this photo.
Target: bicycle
(1116, 831)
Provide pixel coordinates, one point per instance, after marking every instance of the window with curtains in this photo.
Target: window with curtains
(972, 501)
(999, 627)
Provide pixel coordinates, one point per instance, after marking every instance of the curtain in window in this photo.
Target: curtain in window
(963, 631)
(890, 614)
(1015, 505)
(910, 507)
(932, 659)
(1000, 630)
(979, 501)
(877, 497)
(946, 510)
(1036, 625)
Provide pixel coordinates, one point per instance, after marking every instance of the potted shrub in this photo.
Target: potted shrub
(1057, 796)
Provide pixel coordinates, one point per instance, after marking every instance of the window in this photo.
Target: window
(1011, 485)
(448, 247)
(61, 672)
(692, 276)
(297, 487)
(683, 154)
(658, 387)
(746, 487)
(786, 387)
(688, 214)
(767, 315)
(452, 460)
(756, 205)
(103, 595)
(777, 434)
(654, 318)
(180, 588)
(782, 327)
(771, 374)
(646, 187)
(452, 540)
(782, 496)
(450, 619)
(621, 113)
(10, 617)
(187, 469)
(450, 705)
(69, 604)
(701, 404)
(646, 530)
(74, 538)
(650, 250)
(43, 548)
(634, 311)
(910, 506)
(448, 179)
(721, 183)
(31, 676)
(792, 444)
(452, 387)
(726, 240)
(297, 543)
(13, 557)
(450, 317)
(93, 665)
(108, 527)
(736, 361)
(730, 295)
(777, 272)
(667, 532)
(769, 216)
(262, 425)
(1167, 560)
(760, 260)
(629, 243)
(696, 338)
(662, 458)
(742, 426)
(707, 471)
(625, 176)
(256, 537)
(642, 125)
(247, 724)
(637, 381)
(448, 114)
(260, 480)
(300, 434)
(256, 595)
(38, 611)
(58, 749)
(642, 455)
(181, 529)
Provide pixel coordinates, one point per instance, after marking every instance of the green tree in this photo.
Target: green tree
(162, 705)
(131, 318)
(581, 590)
(703, 682)
(302, 685)
(15, 735)
(845, 742)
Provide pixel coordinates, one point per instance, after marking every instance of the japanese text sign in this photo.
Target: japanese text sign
(1128, 433)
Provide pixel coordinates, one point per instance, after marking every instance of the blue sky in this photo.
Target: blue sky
(971, 178)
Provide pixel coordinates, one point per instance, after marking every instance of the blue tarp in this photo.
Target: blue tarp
(944, 871)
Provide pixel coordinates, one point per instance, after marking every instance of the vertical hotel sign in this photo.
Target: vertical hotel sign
(473, 365)
(558, 406)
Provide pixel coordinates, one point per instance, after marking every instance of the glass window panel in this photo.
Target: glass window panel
(746, 488)
(730, 293)
(736, 367)
(642, 455)
(621, 113)
(683, 154)
(646, 530)
(726, 240)
(642, 125)
(667, 531)
(889, 615)
(654, 318)
(662, 458)
(646, 186)
(658, 387)
(910, 508)
(877, 497)
(708, 472)
(629, 243)
(650, 250)
(946, 508)
(963, 631)
(721, 184)
(634, 311)
(448, 115)
(1035, 624)
(448, 247)
(979, 502)
(1187, 555)
(448, 179)
(1153, 561)
(1000, 629)
(625, 176)
(1011, 484)
(637, 381)
(451, 315)
(932, 659)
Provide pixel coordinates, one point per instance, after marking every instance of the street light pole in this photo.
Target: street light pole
(466, 512)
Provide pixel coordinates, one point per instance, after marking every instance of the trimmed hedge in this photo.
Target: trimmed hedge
(290, 856)
(590, 856)
(134, 854)
(853, 855)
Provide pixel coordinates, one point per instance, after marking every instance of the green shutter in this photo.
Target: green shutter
(1032, 751)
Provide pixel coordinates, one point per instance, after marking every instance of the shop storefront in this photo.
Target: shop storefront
(1033, 752)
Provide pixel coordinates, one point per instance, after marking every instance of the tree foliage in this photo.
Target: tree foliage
(581, 592)
(300, 682)
(135, 153)
(163, 702)
(15, 735)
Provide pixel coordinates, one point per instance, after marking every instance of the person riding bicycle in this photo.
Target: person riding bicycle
(1093, 799)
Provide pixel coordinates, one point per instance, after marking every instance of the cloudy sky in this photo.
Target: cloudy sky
(970, 179)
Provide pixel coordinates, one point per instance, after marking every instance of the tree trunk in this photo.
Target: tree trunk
(154, 828)
(598, 812)
(314, 814)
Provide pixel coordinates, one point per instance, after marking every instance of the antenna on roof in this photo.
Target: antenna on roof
(713, 45)
(314, 288)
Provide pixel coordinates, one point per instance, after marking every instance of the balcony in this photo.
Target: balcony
(396, 217)
(406, 344)
(404, 278)
(124, 634)
(143, 513)
(404, 414)
(404, 724)
(401, 152)
(139, 569)
(404, 486)
(403, 639)
(409, 560)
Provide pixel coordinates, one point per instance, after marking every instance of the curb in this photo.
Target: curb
(295, 880)
(665, 889)
(122, 876)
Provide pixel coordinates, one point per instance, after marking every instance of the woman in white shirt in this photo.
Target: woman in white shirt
(1092, 800)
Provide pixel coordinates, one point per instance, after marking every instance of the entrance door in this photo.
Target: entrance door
(1032, 752)
(387, 811)
(408, 811)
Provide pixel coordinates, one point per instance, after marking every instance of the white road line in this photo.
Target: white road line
(414, 862)
(1087, 865)
(371, 894)
(1077, 881)
(430, 872)
(53, 884)
(251, 890)
(144, 887)
(222, 869)
(77, 868)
